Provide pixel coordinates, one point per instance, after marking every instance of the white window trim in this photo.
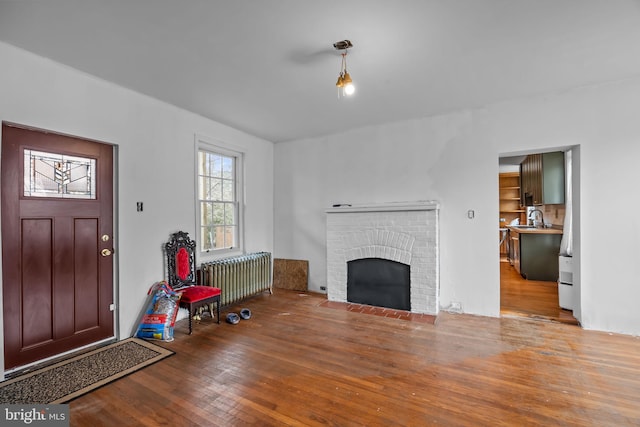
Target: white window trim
(207, 144)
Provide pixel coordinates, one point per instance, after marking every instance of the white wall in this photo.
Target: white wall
(155, 161)
(508, 168)
(454, 159)
(416, 160)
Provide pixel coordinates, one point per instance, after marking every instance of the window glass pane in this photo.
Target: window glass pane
(227, 191)
(218, 213)
(229, 214)
(216, 166)
(202, 163)
(206, 214)
(203, 187)
(227, 168)
(58, 175)
(216, 189)
(207, 238)
(229, 235)
(220, 237)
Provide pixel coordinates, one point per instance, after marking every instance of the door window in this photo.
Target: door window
(58, 175)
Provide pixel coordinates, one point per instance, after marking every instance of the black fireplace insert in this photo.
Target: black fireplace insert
(379, 282)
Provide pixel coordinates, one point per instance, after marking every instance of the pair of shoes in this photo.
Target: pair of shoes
(233, 318)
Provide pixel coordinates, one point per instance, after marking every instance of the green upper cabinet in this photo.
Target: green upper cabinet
(553, 180)
(542, 179)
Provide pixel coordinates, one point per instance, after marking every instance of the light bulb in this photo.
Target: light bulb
(349, 89)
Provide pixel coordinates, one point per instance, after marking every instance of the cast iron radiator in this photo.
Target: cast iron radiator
(239, 277)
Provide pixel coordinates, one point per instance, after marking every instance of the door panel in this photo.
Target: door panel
(36, 278)
(57, 287)
(86, 266)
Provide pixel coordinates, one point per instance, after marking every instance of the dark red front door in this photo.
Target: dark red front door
(56, 247)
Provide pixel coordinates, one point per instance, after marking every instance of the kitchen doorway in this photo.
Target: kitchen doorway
(529, 261)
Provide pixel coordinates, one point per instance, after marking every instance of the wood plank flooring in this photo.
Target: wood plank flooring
(530, 298)
(298, 363)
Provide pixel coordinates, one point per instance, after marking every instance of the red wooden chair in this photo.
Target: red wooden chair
(181, 271)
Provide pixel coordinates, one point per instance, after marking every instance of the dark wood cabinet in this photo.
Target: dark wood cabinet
(531, 175)
(542, 179)
(538, 257)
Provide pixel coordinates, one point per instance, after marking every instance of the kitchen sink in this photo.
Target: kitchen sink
(523, 226)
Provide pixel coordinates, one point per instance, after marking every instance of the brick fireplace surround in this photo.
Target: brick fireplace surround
(401, 232)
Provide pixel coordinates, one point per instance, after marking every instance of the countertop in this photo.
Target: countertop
(525, 230)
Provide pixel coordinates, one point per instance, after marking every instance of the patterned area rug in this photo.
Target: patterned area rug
(66, 380)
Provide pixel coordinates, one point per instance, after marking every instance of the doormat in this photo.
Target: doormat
(66, 380)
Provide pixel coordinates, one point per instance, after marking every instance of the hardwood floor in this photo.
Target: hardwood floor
(530, 298)
(300, 362)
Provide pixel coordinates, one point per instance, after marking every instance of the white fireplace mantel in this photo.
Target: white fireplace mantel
(426, 205)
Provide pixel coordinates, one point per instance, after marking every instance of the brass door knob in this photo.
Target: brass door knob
(106, 252)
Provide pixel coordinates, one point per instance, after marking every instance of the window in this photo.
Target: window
(58, 175)
(219, 212)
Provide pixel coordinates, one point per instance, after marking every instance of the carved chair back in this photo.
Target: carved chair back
(181, 260)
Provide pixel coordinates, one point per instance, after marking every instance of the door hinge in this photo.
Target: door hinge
(112, 307)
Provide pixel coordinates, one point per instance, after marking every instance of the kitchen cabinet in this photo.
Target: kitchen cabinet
(538, 257)
(542, 179)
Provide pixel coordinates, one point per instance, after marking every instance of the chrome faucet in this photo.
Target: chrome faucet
(534, 220)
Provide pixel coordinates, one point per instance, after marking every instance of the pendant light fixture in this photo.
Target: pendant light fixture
(345, 83)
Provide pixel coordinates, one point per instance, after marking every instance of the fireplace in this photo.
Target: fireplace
(399, 239)
(379, 282)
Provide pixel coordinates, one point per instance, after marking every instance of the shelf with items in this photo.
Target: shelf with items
(509, 199)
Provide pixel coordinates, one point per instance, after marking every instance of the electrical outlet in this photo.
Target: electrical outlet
(455, 307)
(323, 288)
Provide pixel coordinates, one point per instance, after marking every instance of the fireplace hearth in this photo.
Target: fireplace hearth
(403, 234)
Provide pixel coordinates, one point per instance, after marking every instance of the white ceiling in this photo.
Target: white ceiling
(268, 66)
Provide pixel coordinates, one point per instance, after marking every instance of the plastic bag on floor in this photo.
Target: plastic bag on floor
(159, 318)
